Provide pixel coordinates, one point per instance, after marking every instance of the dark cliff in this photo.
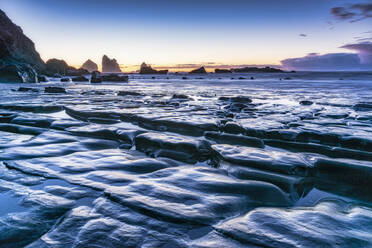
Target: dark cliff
(19, 60)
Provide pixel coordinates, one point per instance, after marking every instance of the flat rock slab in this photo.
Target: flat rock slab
(181, 148)
(327, 224)
(277, 161)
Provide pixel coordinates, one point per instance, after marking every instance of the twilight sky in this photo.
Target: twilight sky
(185, 33)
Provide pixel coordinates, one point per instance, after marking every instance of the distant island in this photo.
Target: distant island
(147, 69)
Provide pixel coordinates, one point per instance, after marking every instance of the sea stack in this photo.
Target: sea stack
(110, 65)
(55, 67)
(147, 69)
(90, 66)
(19, 61)
(200, 70)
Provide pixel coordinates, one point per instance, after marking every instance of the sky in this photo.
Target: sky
(183, 34)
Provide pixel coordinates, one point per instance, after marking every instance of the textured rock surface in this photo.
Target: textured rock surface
(16, 72)
(156, 163)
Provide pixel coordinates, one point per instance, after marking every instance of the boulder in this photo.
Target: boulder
(147, 69)
(236, 99)
(200, 70)
(42, 78)
(65, 79)
(54, 90)
(306, 102)
(90, 66)
(80, 79)
(115, 78)
(110, 65)
(25, 89)
(96, 78)
(180, 97)
(128, 93)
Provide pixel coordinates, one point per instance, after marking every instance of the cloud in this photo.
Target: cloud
(354, 12)
(342, 13)
(364, 49)
(303, 35)
(326, 62)
(365, 9)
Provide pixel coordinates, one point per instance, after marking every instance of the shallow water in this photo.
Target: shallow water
(207, 161)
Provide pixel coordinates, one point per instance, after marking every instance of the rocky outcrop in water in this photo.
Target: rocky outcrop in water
(96, 78)
(80, 79)
(147, 69)
(54, 66)
(110, 65)
(19, 60)
(15, 72)
(90, 66)
(60, 67)
(222, 71)
(200, 70)
(114, 78)
(256, 69)
(54, 90)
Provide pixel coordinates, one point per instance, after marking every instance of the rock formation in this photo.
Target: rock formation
(15, 44)
(19, 60)
(222, 71)
(60, 67)
(96, 77)
(15, 72)
(110, 65)
(115, 78)
(147, 69)
(80, 79)
(55, 90)
(256, 69)
(200, 70)
(90, 66)
(54, 66)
